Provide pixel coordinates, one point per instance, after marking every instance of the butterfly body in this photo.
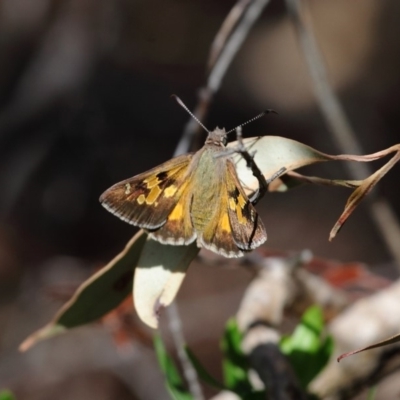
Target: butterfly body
(209, 171)
(193, 196)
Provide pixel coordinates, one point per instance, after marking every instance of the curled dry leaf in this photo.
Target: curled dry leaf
(273, 153)
(367, 184)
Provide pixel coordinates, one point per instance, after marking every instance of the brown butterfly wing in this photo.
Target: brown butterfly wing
(147, 199)
(178, 230)
(248, 230)
(236, 226)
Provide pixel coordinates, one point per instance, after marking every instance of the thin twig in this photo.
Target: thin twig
(225, 31)
(190, 373)
(380, 210)
(298, 178)
(234, 42)
(229, 49)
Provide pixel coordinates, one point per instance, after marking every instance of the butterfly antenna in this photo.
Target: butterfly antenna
(253, 119)
(182, 104)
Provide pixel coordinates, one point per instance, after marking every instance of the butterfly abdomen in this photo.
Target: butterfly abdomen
(202, 210)
(206, 196)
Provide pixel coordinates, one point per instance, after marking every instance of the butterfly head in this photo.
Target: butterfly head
(217, 137)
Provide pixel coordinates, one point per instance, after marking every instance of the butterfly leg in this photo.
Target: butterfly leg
(260, 192)
(249, 158)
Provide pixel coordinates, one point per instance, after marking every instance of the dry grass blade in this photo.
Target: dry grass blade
(391, 340)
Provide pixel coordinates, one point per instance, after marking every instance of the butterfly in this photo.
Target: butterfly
(196, 196)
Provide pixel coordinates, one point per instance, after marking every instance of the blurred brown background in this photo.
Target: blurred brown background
(85, 91)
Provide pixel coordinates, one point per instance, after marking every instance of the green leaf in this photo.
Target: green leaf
(97, 296)
(173, 379)
(307, 350)
(372, 393)
(202, 372)
(6, 395)
(235, 364)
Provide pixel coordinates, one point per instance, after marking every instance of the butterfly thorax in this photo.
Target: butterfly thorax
(217, 137)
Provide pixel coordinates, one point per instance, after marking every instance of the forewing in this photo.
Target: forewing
(236, 226)
(147, 199)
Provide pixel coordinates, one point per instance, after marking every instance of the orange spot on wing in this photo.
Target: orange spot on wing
(152, 196)
(152, 182)
(241, 201)
(170, 191)
(177, 213)
(225, 225)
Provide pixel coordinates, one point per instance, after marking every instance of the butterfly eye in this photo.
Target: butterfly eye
(224, 140)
